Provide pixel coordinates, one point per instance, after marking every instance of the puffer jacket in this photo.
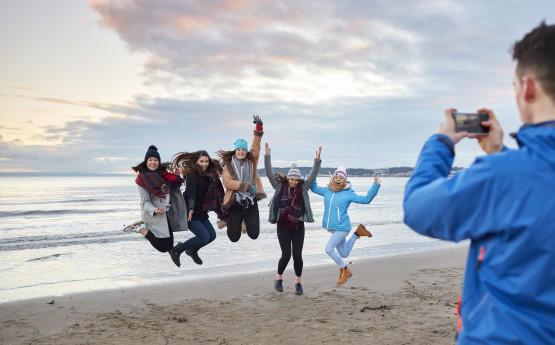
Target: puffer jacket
(336, 204)
(504, 203)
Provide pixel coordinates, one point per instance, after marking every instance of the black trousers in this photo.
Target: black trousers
(291, 241)
(235, 218)
(161, 244)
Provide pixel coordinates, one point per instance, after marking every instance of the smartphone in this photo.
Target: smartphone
(470, 122)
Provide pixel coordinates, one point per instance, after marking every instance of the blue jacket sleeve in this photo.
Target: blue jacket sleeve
(317, 190)
(454, 208)
(366, 199)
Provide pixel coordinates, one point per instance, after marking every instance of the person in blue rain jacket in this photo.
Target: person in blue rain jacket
(338, 195)
(504, 203)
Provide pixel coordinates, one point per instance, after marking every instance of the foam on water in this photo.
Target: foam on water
(63, 234)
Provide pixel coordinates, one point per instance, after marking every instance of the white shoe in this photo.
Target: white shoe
(135, 227)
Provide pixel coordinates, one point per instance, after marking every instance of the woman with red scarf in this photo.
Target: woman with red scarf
(289, 209)
(163, 208)
(204, 192)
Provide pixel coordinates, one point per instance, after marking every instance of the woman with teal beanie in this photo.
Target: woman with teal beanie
(243, 185)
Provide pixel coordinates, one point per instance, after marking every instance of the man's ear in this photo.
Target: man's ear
(529, 85)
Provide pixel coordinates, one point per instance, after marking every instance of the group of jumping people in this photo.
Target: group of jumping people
(165, 210)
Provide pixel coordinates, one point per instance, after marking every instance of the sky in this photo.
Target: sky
(87, 86)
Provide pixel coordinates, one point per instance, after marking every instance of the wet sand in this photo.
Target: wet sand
(402, 299)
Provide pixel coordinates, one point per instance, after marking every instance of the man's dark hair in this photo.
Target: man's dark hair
(535, 54)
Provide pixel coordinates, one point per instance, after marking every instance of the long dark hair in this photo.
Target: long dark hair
(187, 163)
(226, 156)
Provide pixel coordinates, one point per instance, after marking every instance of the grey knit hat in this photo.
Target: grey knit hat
(294, 173)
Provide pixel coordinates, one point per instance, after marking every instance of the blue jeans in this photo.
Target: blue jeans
(343, 246)
(204, 234)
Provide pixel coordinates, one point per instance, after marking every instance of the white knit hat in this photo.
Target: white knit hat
(341, 170)
(294, 172)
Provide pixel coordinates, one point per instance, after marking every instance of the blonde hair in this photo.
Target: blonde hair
(334, 187)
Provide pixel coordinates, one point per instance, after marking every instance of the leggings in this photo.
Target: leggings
(235, 218)
(204, 234)
(161, 244)
(288, 239)
(343, 246)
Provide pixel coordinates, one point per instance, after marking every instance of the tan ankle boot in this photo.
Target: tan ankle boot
(344, 274)
(361, 231)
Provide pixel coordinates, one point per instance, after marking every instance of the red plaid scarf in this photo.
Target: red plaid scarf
(214, 196)
(159, 183)
(290, 206)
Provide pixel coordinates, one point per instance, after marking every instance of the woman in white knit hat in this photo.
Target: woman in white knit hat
(338, 195)
(289, 209)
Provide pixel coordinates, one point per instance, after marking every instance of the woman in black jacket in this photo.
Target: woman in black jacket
(203, 192)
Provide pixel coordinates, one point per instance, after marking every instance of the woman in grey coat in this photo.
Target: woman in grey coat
(163, 207)
(289, 209)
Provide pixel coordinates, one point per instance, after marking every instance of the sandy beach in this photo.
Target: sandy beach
(402, 299)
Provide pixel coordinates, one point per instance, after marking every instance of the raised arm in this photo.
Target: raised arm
(366, 199)
(258, 132)
(268, 167)
(315, 169)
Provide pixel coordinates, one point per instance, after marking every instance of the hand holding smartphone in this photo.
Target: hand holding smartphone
(471, 123)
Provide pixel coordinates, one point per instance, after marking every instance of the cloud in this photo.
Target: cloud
(366, 80)
(24, 88)
(302, 52)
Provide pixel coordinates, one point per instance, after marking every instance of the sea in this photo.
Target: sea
(63, 234)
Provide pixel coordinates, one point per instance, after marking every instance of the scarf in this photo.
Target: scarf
(214, 198)
(243, 173)
(290, 206)
(159, 183)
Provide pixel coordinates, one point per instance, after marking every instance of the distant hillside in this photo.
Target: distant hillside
(389, 172)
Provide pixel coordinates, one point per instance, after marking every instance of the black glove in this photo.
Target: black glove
(257, 120)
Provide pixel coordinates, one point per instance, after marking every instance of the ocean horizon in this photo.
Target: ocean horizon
(63, 234)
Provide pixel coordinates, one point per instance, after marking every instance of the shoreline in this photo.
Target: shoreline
(414, 292)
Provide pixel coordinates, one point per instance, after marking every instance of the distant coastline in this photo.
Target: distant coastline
(305, 171)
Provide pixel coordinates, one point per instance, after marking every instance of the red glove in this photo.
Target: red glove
(258, 123)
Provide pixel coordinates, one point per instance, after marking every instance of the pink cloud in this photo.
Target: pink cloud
(24, 88)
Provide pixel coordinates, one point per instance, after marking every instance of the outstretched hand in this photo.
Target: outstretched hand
(377, 180)
(257, 120)
(268, 150)
(318, 153)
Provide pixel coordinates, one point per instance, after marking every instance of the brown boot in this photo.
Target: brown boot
(344, 274)
(361, 231)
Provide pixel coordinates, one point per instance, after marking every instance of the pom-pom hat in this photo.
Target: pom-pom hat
(294, 172)
(342, 171)
(152, 152)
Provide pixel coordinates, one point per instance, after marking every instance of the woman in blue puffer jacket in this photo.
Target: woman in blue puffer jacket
(338, 195)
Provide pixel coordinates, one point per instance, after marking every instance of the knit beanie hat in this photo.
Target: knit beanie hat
(341, 170)
(152, 152)
(240, 144)
(294, 172)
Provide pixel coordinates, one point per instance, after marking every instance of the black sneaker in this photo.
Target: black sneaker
(278, 285)
(194, 255)
(298, 289)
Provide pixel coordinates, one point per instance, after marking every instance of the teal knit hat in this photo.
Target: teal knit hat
(240, 144)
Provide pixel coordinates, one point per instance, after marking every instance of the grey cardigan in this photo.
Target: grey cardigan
(276, 184)
(157, 223)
